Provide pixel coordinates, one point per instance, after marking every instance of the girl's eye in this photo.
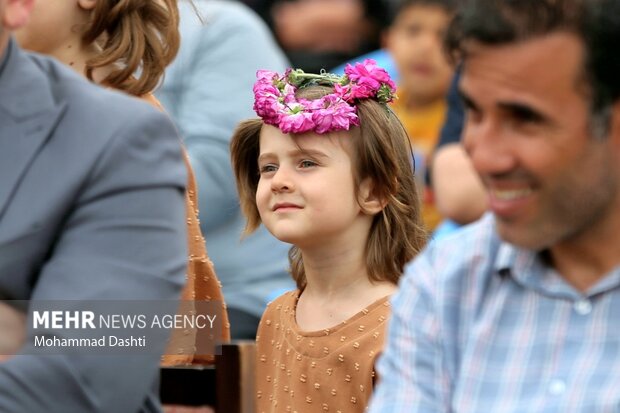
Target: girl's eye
(307, 164)
(265, 169)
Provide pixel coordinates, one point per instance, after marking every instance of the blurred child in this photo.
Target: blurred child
(414, 40)
(328, 170)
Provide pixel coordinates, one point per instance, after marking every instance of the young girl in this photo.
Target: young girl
(328, 169)
(126, 45)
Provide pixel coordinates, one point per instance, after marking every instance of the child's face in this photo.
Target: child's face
(415, 43)
(55, 26)
(306, 192)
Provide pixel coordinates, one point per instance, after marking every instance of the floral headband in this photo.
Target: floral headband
(276, 104)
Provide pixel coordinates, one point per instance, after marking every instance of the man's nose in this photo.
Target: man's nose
(488, 147)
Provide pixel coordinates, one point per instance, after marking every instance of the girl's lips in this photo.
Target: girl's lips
(285, 207)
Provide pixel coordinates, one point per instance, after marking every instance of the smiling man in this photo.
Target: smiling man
(520, 311)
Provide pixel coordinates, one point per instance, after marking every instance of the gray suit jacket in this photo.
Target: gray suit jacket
(91, 208)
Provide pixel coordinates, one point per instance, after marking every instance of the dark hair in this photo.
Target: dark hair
(382, 153)
(603, 66)
(509, 21)
(595, 22)
(137, 37)
(396, 7)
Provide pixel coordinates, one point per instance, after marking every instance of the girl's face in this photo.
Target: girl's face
(306, 193)
(55, 26)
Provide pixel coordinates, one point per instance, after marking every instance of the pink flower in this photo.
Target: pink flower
(289, 94)
(267, 97)
(367, 78)
(343, 91)
(333, 114)
(275, 101)
(268, 107)
(367, 69)
(299, 122)
(266, 76)
(362, 90)
(265, 88)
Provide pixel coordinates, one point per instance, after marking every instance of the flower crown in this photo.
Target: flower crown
(276, 104)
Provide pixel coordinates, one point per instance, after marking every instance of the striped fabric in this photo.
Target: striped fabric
(481, 326)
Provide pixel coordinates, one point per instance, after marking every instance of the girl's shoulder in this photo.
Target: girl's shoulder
(283, 302)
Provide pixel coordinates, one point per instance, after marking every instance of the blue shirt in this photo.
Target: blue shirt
(479, 325)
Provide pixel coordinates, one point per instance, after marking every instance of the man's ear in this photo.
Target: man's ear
(613, 134)
(86, 4)
(368, 199)
(16, 13)
(614, 130)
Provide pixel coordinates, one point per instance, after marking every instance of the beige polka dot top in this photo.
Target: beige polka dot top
(201, 284)
(331, 370)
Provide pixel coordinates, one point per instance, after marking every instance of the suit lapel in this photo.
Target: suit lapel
(28, 116)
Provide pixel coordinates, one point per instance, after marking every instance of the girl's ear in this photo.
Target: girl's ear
(87, 4)
(368, 199)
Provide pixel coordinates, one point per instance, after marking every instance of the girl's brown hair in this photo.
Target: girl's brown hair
(138, 38)
(382, 152)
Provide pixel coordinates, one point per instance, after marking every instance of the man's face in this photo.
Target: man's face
(415, 43)
(549, 181)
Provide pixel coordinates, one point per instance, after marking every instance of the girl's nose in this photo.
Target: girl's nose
(282, 181)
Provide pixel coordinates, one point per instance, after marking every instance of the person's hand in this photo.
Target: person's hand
(12, 331)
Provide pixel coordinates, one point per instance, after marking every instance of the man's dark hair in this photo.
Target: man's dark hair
(596, 22)
(603, 64)
(396, 7)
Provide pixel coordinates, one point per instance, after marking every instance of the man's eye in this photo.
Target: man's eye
(473, 114)
(526, 115)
